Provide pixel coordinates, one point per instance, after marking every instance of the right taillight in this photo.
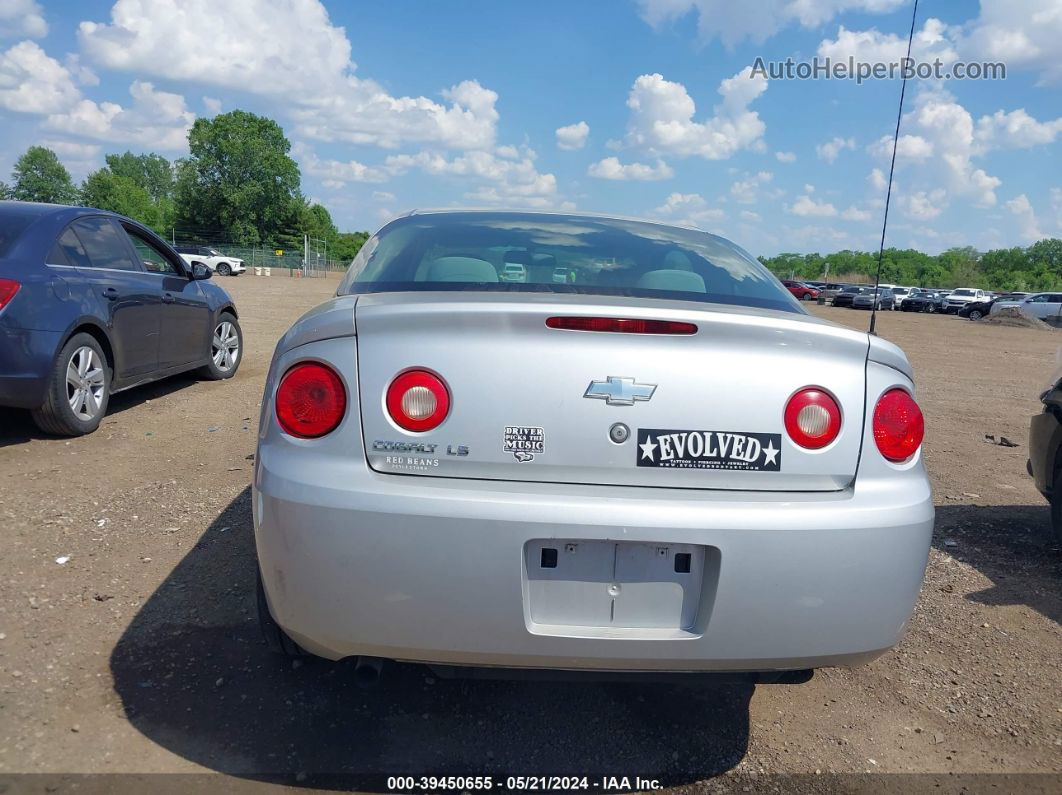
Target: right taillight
(898, 425)
(418, 401)
(812, 418)
(311, 400)
(8, 288)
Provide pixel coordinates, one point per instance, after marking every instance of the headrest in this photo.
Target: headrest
(461, 269)
(676, 280)
(518, 257)
(677, 260)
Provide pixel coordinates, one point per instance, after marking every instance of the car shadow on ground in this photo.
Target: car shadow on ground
(1013, 546)
(16, 425)
(195, 677)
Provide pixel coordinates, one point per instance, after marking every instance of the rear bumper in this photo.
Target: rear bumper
(434, 569)
(25, 362)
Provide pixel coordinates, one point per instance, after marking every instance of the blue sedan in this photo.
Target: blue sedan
(92, 303)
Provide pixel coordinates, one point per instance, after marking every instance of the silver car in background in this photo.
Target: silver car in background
(1045, 306)
(664, 464)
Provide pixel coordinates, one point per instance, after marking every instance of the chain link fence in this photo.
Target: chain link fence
(302, 257)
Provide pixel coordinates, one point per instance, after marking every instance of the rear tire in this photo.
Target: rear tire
(79, 389)
(226, 349)
(806, 297)
(224, 269)
(976, 314)
(276, 639)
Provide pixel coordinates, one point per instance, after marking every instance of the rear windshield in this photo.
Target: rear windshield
(524, 252)
(11, 227)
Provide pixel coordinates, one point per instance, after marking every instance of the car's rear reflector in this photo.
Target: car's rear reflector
(621, 325)
(418, 401)
(812, 418)
(898, 425)
(8, 288)
(311, 400)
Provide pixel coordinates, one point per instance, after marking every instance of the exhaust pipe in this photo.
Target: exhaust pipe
(367, 671)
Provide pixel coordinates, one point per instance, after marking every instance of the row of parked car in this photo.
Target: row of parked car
(968, 302)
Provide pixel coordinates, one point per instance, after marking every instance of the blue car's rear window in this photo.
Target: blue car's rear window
(565, 254)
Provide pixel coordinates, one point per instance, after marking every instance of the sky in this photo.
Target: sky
(644, 108)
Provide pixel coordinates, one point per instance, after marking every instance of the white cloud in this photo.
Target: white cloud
(383, 196)
(510, 182)
(924, 205)
(268, 46)
(734, 22)
(746, 191)
(362, 113)
(830, 150)
(876, 179)
(289, 50)
(1022, 33)
(73, 150)
(751, 217)
(212, 105)
(945, 126)
(336, 171)
(21, 18)
(933, 41)
(662, 111)
(855, 214)
(33, 82)
(1015, 130)
(156, 119)
(573, 136)
(786, 157)
(680, 202)
(612, 168)
(1022, 209)
(807, 206)
(689, 209)
(908, 147)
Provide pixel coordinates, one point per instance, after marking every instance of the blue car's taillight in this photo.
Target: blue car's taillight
(8, 288)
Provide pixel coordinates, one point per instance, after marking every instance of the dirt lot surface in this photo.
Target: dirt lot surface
(141, 652)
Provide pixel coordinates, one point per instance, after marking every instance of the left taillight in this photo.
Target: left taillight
(311, 400)
(812, 418)
(8, 288)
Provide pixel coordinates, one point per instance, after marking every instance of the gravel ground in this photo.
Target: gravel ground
(140, 652)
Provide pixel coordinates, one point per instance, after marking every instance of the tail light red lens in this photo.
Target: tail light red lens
(812, 418)
(8, 288)
(621, 325)
(418, 401)
(311, 400)
(898, 425)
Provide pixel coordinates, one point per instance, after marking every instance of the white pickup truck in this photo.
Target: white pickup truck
(213, 259)
(960, 297)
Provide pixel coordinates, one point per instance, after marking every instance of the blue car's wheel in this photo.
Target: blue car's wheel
(78, 389)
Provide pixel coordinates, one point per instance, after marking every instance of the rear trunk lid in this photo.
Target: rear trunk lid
(533, 403)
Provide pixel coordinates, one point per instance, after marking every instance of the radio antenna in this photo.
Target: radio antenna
(892, 170)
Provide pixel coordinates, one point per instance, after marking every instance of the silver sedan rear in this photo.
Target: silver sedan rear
(661, 464)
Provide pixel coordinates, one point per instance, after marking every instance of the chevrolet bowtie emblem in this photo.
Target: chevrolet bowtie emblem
(618, 391)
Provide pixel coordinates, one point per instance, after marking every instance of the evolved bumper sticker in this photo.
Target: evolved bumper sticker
(760, 452)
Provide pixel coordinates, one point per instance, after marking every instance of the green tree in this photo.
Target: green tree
(6, 191)
(109, 191)
(150, 171)
(38, 176)
(347, 245)
(239, 179)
